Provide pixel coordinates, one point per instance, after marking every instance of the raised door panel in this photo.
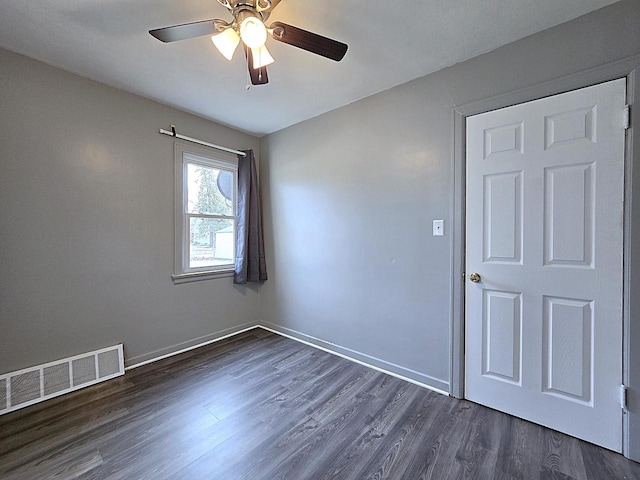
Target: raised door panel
(502, 335)
(568, 354)
(569, 215)
(502, 218)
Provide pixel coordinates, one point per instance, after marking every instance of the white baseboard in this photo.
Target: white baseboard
(417, 378)
(383, 366)
(183, 347)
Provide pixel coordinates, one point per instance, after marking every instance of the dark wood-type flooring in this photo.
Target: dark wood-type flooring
(261, 407)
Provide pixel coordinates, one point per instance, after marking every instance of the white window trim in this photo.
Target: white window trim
(184, 154)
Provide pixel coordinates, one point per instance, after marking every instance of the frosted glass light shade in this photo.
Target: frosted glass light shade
(253, 32)
(226, 42)
(261, 57)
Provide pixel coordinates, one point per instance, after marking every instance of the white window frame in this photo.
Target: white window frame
(186, 154)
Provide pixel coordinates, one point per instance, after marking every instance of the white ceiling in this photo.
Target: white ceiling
(389, 42)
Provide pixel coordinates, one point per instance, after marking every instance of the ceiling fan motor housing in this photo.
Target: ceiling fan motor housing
(242, 12)
(258, 6)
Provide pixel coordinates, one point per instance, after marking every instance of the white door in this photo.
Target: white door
(544, 232)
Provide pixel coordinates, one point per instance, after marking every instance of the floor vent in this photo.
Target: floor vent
(36, 384)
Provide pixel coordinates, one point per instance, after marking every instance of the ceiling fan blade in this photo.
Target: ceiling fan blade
(311, 42)
(258, 75)
(187, 30)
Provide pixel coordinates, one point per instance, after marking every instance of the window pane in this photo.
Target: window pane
(211, 242)
(210, 190)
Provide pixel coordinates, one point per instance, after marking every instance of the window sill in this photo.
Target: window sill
(199, 276)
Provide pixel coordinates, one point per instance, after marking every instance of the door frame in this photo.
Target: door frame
(628, 68)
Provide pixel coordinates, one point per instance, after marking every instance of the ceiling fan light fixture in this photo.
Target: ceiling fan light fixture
(226, 42)
(248, 26)
(253, 32)
(261, 57)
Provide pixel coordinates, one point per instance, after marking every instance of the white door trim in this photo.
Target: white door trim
(629, 68)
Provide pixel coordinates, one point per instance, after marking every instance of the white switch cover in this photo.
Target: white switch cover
(438, 228)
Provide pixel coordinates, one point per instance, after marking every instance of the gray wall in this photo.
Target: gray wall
(86, 237)
(349, 198)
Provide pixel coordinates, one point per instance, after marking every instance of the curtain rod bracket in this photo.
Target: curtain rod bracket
(173, 130)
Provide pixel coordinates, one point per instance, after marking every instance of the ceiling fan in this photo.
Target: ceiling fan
(248, 25)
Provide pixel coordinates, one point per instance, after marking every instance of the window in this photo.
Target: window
(206, 217)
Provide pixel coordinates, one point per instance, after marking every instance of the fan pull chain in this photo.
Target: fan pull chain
(247, 87)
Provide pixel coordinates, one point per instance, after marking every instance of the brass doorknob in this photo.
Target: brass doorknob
(475, 277)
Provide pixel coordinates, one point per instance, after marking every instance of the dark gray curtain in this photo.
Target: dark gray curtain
(250, 263)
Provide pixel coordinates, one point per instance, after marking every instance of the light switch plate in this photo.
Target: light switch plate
(438, 228)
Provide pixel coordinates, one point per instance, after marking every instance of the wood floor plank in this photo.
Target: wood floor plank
(387, 460)
(344, 415)
(262, 407)
(382, 421)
